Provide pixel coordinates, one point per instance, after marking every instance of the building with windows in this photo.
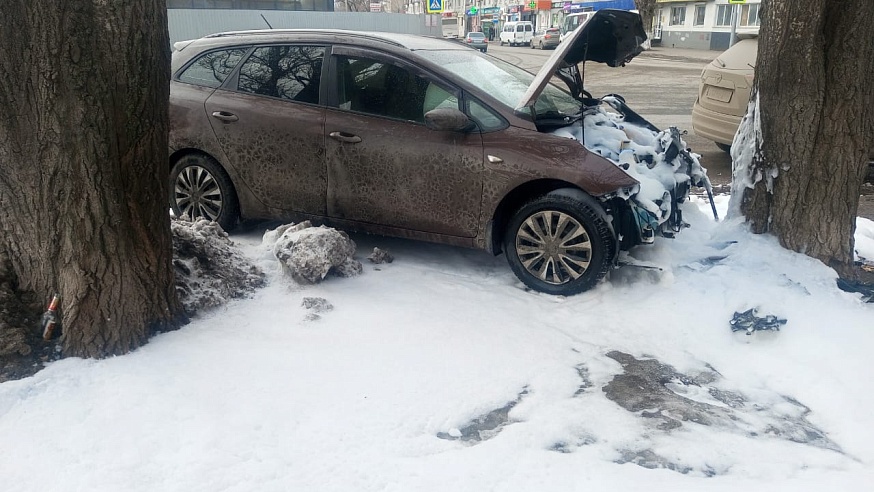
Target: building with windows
(702, 25)
(462, 16)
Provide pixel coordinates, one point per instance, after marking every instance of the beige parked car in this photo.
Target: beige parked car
(724, 92)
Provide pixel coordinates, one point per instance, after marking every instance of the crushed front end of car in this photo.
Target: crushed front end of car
(665, 169)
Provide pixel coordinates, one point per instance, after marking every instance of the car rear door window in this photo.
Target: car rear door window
(211, 69)
(285, 72)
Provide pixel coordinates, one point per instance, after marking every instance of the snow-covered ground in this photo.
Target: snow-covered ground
(439, 372)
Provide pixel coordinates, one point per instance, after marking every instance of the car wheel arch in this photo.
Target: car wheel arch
(516, 198)
(560, 243)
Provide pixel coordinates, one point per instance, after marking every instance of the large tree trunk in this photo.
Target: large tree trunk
(84, 89)
(814, 83)
(646, 9)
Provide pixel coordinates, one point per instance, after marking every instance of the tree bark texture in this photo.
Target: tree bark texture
(646, 9)
(814, 79)
(84, 87)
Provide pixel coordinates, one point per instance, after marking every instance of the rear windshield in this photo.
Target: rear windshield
(475, 35)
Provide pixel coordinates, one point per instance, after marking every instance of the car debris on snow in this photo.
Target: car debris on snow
(750, 321)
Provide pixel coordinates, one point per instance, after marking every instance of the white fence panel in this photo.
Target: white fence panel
(195, 23)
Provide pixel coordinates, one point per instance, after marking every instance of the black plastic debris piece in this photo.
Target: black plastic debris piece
(749, 321)
(864, 288)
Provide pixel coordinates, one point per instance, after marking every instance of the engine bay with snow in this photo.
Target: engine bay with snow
(659, 160)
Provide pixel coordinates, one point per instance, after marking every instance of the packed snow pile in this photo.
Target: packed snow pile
(310, 253)
(644, 154)
(210, 270)
(380, 256)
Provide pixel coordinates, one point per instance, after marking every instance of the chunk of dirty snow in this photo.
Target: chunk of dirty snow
(210, 269)
(317, 304)
(309, 253)
(380, 256)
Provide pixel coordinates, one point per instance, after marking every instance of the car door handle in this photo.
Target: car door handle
(225, 116)
(345, 137)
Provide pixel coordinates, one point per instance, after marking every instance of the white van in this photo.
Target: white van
(572, 21)
(516, 33)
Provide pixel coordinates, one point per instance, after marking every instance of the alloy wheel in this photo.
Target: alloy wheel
(198, 193)
(553, 247)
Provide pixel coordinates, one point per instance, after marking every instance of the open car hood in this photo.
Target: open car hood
(610, 36)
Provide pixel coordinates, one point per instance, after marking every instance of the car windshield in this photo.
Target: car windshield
(505, 82)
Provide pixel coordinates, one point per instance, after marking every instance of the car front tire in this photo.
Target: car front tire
(560, 243)
(199, 187)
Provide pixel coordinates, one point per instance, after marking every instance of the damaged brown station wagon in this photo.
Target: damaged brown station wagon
(413, 137)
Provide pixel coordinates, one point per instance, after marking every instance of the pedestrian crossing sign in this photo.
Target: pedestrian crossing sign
(435, 6)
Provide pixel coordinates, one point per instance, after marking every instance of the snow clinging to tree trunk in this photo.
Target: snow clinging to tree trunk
(745, 148)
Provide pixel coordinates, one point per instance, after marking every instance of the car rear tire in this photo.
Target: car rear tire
(199, 187)
(541, 45)
(560, 243)
(724, 147)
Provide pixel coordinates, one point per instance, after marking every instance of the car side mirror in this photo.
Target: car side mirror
(448, 120)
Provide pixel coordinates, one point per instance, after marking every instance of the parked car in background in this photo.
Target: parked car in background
(477, 40)
(724, 92)
(425, 139)
(546, 38)
(517, 33)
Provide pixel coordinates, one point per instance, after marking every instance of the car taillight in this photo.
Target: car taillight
(546, 36)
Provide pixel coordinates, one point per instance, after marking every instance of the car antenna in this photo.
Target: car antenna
(265, 21)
